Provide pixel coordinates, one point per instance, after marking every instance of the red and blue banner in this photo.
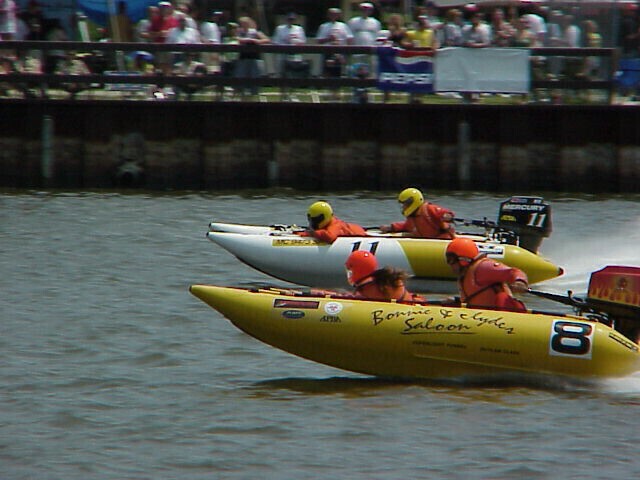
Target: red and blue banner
(405, 70)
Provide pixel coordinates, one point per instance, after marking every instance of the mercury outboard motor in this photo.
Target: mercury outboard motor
(529, 218)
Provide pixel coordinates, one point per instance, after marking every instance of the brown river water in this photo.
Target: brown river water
(110, 369)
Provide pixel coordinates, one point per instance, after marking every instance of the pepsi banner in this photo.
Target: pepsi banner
(405, 70)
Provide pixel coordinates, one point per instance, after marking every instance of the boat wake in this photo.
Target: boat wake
(627, 387)
(366, 386)
(592, 253)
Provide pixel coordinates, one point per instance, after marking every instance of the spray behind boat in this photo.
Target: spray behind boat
(526, 219)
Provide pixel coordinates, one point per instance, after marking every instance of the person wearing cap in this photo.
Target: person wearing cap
(290, 33)
(423, 219)
(210, 30)
(365, 29)
(334, 32)
(159, 30)
(484, 282)
(325, 226)
(210, 33)
(374, 283)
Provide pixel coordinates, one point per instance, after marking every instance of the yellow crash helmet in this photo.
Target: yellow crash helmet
(411, 199)
(319, 215)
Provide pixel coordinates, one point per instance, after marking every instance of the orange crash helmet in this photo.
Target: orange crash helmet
(360, 265)
(461, 250)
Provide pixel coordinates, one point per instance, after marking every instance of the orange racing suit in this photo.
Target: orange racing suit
(427, 222)
(485, 284)
(336, 228)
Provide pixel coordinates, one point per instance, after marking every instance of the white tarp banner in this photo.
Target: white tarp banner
(491, 70)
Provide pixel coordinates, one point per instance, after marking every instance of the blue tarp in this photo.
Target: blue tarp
(628, 75)
(98, 10)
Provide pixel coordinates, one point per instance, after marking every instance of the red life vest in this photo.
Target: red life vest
(370, 290)
(427, 222)
(339, 228)
(493, 292)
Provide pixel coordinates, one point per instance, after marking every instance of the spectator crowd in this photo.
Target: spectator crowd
(526, 25)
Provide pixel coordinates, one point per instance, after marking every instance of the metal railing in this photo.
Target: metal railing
(41, 82)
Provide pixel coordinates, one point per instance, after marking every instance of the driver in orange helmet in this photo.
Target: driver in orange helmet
(424, 219)
(374, 283)
(484, 282)
(327, 227)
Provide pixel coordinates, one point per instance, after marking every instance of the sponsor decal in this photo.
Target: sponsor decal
(330, 319)
(293, 242)
(430, 321)
(535, 208)
(288, 303)
(293, 314)
(405, 70)
(333, 308)
(490, 249)
(623, 341)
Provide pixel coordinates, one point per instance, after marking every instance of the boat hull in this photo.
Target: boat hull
(307, 261)
(431, 342)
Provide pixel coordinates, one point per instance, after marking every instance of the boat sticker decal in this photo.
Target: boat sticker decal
(373, 246)
(489, 319)
(333, 308)
(293, 314)
(330, 319)
(491, 250)
(571, 339)
(294, 242)
(623, 341)
(442, 320)
(288, 303)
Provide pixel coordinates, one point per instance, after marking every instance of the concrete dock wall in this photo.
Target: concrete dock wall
(221, 146)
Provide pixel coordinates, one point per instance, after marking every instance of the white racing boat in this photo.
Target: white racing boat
(278, 250)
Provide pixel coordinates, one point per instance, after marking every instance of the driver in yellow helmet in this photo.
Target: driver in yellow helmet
(324, 226)
(424, 219)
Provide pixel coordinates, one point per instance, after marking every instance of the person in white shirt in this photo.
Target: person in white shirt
(291, 65)
(365, 29)
(334, 32)
(182, 34)
(210, 30)
(289, 33)
(210, 33)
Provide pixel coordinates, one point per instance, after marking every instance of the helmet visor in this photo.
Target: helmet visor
(452, 258)
(314, 222)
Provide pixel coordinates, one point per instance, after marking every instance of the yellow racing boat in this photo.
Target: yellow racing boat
(431, 341)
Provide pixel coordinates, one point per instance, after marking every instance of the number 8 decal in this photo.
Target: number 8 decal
(573, 339)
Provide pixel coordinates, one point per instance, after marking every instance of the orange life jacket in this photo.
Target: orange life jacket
(339, 228)
(426, 222)
(370, 290)
(493, 292)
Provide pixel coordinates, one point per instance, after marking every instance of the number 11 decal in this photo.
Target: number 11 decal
(373, 246)
(537, 220)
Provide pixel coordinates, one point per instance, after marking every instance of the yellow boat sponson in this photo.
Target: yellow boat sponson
(424, 341)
